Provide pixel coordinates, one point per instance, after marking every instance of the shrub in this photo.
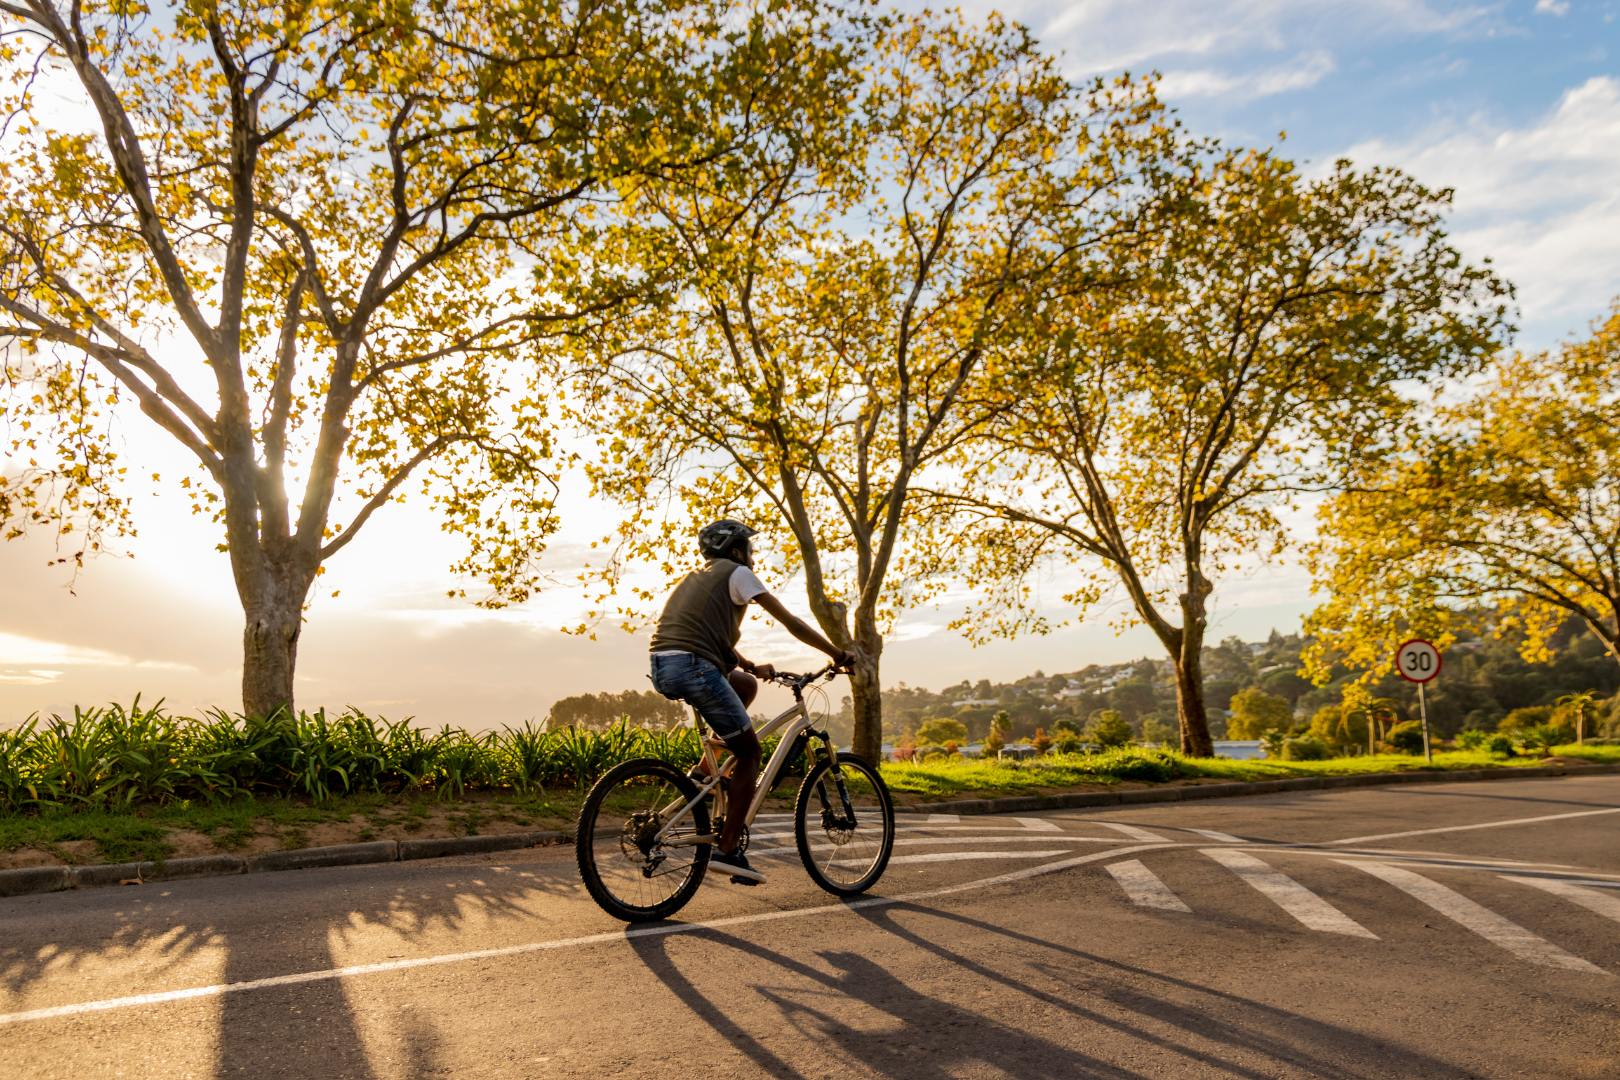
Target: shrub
(1543, 737)
(117, 757)
(1499, 746)
(1528, 717)
(1131, 763)
(1305, 748)
(1108, 728)
(1406, 738)
(1069, 744)
(1042, 742)
(1471, 739)
(1272, 743)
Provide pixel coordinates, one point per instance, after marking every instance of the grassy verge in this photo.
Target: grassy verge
(253, 825)
(973, 778)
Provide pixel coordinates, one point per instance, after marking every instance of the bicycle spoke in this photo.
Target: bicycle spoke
(634, 868)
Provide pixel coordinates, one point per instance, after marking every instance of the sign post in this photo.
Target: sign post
(1418, 661)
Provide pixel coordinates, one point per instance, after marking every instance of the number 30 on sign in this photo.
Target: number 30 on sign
(1417, 661)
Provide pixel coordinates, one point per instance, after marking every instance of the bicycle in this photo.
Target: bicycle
(645, 831)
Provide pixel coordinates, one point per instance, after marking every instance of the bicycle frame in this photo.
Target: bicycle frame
(793, 722)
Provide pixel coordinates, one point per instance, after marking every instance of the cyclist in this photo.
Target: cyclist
(695, 660)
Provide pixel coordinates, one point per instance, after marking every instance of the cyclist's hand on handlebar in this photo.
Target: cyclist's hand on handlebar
(765, 671)
(845, 659)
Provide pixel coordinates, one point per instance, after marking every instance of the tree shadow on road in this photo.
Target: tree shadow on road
(850, 1001)
(268, 925)
(872, 1017)
(1214, 1029)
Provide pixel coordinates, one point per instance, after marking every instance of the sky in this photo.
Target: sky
(1514, 105)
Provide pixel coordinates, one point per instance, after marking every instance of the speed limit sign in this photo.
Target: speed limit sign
(1417, 661)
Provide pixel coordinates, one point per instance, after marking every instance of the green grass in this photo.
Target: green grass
(148, 833)
(1600, 755)
(119, 785)
(947, 777)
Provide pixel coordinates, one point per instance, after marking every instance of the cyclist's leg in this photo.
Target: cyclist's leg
(746, 686)
(715, 697)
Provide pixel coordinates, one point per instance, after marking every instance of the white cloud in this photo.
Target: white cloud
(19, 651)
(1105, 35)
(1540, 199)
(1552, 7)
(30, 661)
(1305, 71)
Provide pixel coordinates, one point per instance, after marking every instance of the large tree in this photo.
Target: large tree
(1509, 496)
(846, 305)
(1260, 335)
(304, 239)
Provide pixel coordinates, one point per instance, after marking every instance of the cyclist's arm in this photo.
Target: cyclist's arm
(797, 626)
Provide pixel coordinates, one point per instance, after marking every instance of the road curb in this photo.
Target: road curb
(473, 845)
(48, 879)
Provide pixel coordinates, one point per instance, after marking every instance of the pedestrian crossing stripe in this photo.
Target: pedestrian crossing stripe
(1144, 887)
(1586, 897)
(1288, 894)
(1481, 920)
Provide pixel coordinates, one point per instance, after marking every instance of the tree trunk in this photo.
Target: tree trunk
(866, 699)
(1188, 657)
(274, 616)
(1191, 714)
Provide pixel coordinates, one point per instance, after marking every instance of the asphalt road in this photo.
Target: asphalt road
(1424, 930)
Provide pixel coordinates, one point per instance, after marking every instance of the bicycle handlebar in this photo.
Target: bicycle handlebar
(799, 682)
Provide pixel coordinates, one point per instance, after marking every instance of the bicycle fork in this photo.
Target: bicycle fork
(828, 821)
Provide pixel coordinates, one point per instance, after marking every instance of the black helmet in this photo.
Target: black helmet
(717, 538)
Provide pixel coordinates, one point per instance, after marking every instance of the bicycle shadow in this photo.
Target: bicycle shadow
(898, 1017)
(847, 1001)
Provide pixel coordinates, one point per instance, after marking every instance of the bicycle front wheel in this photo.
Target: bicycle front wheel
(843, 822)
(632, 871)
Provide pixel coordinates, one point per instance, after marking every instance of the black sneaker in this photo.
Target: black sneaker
(736, 864)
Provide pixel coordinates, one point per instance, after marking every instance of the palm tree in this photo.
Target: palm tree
(1580, 702)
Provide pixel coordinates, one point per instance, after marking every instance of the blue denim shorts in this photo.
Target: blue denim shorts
(692, 679)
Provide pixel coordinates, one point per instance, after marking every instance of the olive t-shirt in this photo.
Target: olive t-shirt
(704, 614)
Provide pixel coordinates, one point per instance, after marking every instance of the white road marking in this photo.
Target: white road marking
(964, 856)
(1006, 840)
(1039, 824)
(1288, 894)
(1211, 834)
(1468, 828)
(1144, 887)
(919, 840)
(616, 936)
(1481, 920)
(1131, 831)
(944, 819)
(1430, 858)
(1605, 905)
(929, 829)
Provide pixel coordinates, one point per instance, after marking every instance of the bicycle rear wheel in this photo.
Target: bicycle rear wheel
(631, 873)
(843, 822)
